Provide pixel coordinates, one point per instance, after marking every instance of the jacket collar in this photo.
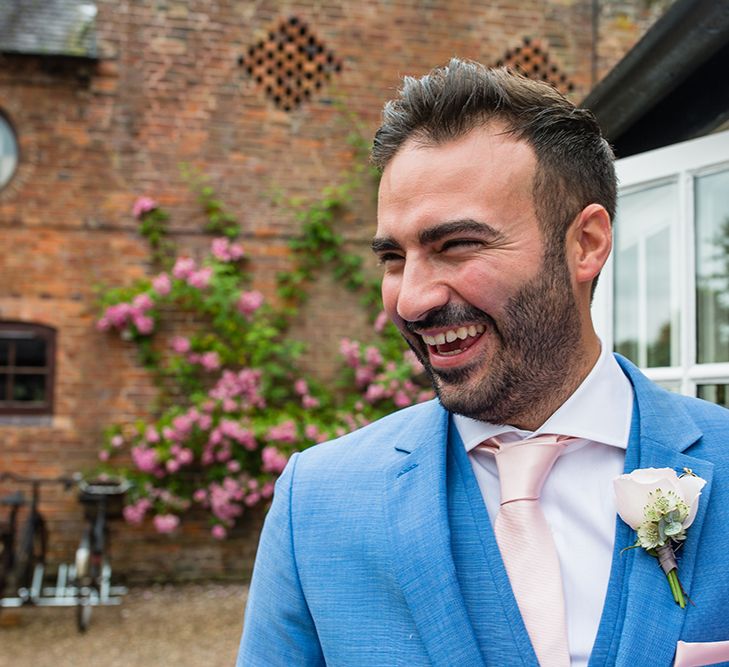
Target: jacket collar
(416, 507)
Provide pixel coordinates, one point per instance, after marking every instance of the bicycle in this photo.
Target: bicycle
(102, 500)
(25, 566)
(83, 584)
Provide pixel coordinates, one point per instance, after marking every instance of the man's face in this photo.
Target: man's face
(466, 281)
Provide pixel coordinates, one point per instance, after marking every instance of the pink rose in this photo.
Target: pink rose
(144, 458)
(300, 387)
(162, 284)
(183, 267)
(180, 344)
(186, 456)
(219, 248)
(309, 402)
(210, 361)
(218, 532)
(250, 302)
(373, 356)
(380, 321)
(143, 205)
(142, 302)
(283, 432)
(401, 399)
(151, 434)
(166, 523)
(200, 279)
(235, 250)
(273, 460)
(144, 324)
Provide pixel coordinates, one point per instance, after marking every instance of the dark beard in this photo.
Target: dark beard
(532, 368)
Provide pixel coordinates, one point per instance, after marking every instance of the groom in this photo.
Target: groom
(402, 543)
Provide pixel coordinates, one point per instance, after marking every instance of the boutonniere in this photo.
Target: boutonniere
(660, 506)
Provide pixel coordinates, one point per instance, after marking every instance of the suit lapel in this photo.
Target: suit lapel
(482, 576)
(417, 520)
(652, 621)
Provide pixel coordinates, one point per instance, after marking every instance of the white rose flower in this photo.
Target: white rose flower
(632, 493)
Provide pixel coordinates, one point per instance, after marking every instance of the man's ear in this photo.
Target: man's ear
(588, 244)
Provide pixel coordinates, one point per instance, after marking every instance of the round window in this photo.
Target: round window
(8, 152)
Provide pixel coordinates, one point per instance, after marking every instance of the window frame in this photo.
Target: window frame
(48, 334)
(5, 120)
(684, 163)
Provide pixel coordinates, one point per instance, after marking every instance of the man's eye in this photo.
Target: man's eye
(389, 258)
(460, 243)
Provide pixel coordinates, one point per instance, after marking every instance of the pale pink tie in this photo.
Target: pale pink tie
(526, 542)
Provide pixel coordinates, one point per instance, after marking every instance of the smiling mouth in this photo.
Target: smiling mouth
(453, 341)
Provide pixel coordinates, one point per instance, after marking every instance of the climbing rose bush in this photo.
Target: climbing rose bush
(233, 406)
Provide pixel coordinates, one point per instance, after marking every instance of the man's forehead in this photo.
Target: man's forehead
(423, 140)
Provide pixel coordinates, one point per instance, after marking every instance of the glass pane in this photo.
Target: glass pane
(716, 393)
(712, 267)
(646, 289)
(30, 352)
(3, 387)
(658, 298)
(8, 152)
(29, 388)
(4, 352)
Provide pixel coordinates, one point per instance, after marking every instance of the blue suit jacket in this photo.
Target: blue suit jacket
(378, 551)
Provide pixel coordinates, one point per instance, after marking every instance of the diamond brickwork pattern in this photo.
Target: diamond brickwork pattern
(290, 63)
(531, 59)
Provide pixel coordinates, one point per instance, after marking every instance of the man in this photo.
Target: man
(384, 547)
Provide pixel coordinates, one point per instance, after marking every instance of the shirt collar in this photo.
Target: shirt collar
(600, 410)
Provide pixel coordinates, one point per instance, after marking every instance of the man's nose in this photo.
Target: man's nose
(422, 289)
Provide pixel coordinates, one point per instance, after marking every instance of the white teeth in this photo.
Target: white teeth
(454, 334)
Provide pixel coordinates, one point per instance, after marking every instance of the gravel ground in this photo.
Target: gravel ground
(159, 626)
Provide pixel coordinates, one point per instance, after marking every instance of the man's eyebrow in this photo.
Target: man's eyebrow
(452, 227)
(384, 243)
(435, 233)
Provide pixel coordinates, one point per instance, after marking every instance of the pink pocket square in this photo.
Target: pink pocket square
(698, 654)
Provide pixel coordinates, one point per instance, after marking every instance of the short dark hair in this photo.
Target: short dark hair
(575, 164)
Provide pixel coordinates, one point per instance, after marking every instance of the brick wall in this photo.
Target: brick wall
(172, 86)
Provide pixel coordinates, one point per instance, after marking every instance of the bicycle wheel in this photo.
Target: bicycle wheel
(6, 561)
(84, 607)
(32, 551)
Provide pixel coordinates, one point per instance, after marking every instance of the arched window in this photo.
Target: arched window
(27, 363)
(8, 152)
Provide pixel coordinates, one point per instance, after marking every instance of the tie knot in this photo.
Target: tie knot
(525, 464)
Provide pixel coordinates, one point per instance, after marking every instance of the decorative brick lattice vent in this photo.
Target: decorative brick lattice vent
(290, 63)
(531, 60)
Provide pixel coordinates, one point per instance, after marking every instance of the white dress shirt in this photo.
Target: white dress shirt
(577, 498)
